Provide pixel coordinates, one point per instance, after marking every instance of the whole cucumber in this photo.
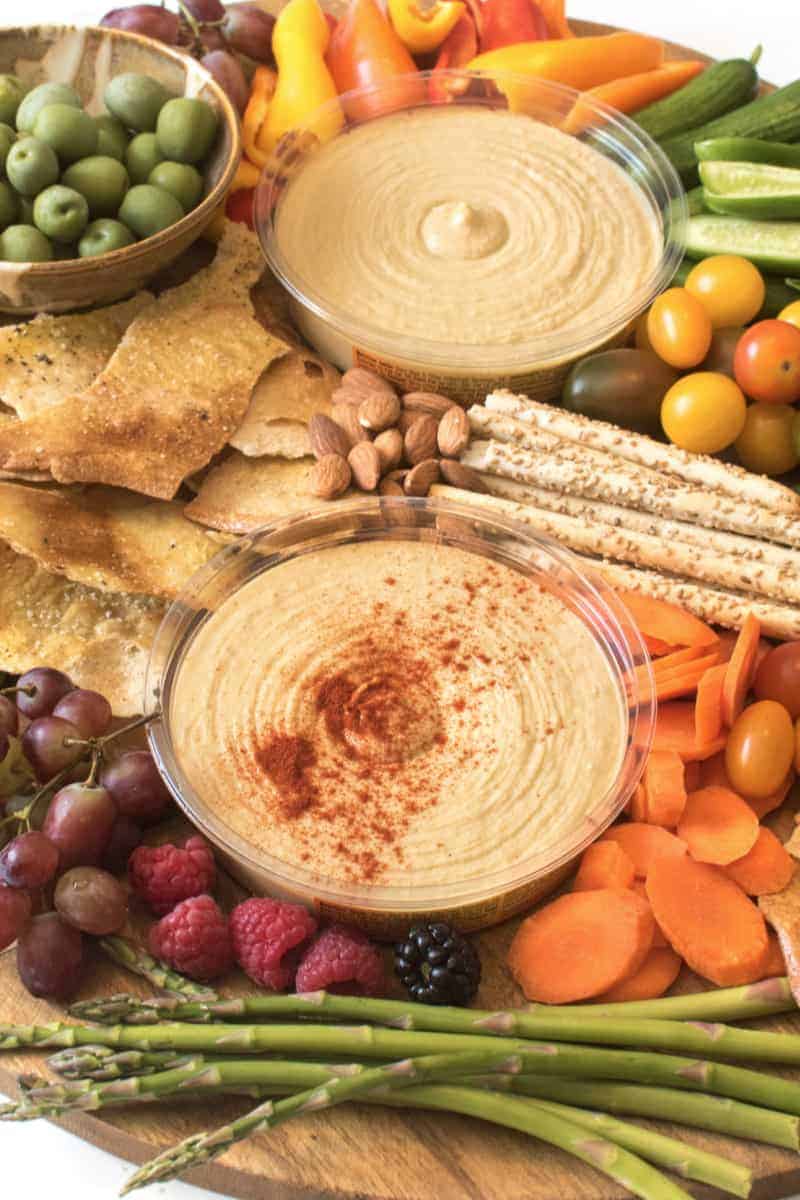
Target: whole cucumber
(718, 89)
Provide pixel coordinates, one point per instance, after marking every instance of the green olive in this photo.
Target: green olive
(31, 165)
(61, 213)
(12, 91)
(35, 101)
(103, 236)
(186, 130)
(25, 210)
(112, 137)
(62, 251)
(9, 205)
(136, 100)
(183, 182)
(7, 139)
(101, 180)
(141, 156)
(147, 210)
(23, 243)
(70, 131)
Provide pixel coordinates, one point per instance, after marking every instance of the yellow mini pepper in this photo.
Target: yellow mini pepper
(262, 89)
(424, 30)
(299, 42)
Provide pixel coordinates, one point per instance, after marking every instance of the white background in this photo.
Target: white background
(39, 1160)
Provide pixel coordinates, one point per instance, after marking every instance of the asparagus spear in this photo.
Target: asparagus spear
(102, 1063)
(126, 953)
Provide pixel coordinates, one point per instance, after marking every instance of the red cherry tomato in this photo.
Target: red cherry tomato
(778, 677)
(767, 362)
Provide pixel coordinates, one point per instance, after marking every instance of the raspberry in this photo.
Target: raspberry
(267, 937)
(194, 939)
(162, 876)
(341, 960)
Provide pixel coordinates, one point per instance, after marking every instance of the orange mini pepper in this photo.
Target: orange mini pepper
(581, 63)
(255, 114)
(366, 50)
(424, 30)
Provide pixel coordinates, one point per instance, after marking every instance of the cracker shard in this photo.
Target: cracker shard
(782, 911)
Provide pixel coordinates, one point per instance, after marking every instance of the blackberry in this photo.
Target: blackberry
(436, 965)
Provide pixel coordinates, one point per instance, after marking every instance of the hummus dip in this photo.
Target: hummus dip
(394, 713)
(467, 224)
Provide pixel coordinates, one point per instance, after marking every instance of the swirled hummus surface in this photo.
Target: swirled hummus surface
(467, 224)
(396, 712)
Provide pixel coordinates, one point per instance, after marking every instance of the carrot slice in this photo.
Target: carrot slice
(655, 646)
(637, 806)
(774, 962)
(604, 865)
(708, 704)
(684, 680)
(768, 804)
(713, 773)
(691, 776)
(740, 671)
(727, 642)
(665, 793)
(581, 944)
(643, 844)
(718, 826)
(675, 730)
(708, 920)
(767, 867)
(657, 973)
(679, 658)
(638, 886)
(670, 624)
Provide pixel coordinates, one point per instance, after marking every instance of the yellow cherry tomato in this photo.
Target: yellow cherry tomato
(729, 287)
(679, 328)
(760, 749)
(791, 313)
(766, 445)
(641, 338)
(703, 412)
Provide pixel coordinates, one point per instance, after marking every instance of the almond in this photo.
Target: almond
(389, 445)
(346, 417)
(357, 384)
(406, 420)
(459, 476)
(377, 413)
(420, 440)
(327, 437)
(453, 434)
(432, 404)
(365, 463)
(330, 477)
(420, 478)
(390, 487)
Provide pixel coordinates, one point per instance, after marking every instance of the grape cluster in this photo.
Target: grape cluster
(66, 833)
(214, 33)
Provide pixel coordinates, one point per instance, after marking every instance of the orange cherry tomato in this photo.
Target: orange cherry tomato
(766, 444)
(791, 313)
(778, 677)
(767, 362)
(703, 412)
(760, 749)
(679, 328)
(729, 287)
(641, 338)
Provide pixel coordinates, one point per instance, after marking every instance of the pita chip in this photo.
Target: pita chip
(782, 911)
(104, 537)
(102, 641)
(171, 395)
(243, 493)
(286, 396)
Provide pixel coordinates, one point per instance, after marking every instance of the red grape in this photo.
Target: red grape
(89, 712)
(50, 957)
(205, 10)
(48, 688)
(136, 786)
(29, 861)
(209, 39)
(92, 900)
(249, 30)
(49, 744)
(125, 837)
(9, 716)
(79, 821)
(15, 911)
(227, 70)
(4, 744)
(150, 20)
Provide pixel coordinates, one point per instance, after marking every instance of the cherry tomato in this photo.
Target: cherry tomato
(766, 443)
(730, 289)
(797, 745)
(703, 412)
(641, 338)
(679, 328)
(723, 347)
(791, 313)
(778, 677)
(767, 362)
(760, 749)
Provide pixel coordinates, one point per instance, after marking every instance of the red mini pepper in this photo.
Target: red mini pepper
(458, 48)
(239, 206)
(506, 22)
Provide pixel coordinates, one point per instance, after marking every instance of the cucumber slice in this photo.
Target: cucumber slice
(774, 245)
(751, 190)
(747, 149)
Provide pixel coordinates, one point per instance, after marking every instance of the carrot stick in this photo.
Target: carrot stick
(604, 865)
(774, 962)
(632, 92)
(643, 844)
(675, 730)
(655, 647)
(718, 826)
(638, 886)
(728, 639)
(657, 973)
(708, 920)
(741, 670)
(684, 680)
(676, 667)
(766, 868)
(768, 804)
(667, 622)
(708, 704)
(665, 793)
(581, 944)
(679, 658)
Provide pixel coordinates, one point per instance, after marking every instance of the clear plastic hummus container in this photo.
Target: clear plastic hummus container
(506, 864)
(488, 241)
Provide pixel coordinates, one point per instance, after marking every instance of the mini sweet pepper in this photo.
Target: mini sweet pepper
(423, 30)
(304, 84)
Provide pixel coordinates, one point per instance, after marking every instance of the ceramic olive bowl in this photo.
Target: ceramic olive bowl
(86, 59)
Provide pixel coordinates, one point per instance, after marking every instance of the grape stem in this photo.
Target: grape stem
(24, 814)
(29, 690)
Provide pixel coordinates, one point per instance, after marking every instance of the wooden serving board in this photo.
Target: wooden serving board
(357, 1152)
